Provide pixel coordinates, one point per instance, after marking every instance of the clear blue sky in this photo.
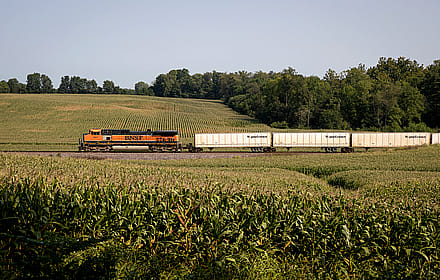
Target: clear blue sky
(133, 40)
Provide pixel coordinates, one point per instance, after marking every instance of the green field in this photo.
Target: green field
(318, 216)
(57, 121)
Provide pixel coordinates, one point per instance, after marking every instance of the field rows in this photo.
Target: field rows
(351, 216)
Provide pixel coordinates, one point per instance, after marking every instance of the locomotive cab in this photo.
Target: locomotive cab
(95, 131)
(93, 135)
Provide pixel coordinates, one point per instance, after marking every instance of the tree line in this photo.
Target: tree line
(396, 94)
(41, 83)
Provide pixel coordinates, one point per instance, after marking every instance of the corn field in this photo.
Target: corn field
(57, 121)
(286, 217)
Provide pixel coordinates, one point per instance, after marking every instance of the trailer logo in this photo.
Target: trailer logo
(256, 136)
(415, 136)
(335, 136)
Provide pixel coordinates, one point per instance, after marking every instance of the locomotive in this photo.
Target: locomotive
(127, 140)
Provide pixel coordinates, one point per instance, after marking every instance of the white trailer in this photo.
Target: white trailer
(435, 138)
(258, 141)
(389, 140)
(329, 141)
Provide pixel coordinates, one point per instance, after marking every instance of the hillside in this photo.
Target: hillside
(57, 121)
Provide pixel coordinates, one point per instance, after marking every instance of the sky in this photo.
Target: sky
(134, 40)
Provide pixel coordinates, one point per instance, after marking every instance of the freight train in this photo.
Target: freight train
(168, 140)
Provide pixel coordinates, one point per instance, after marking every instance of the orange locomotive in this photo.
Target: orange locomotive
(126, 140)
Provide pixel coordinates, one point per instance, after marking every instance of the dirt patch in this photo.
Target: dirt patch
(122, 107)
(38, 116)
(36, 130)
(71, 108)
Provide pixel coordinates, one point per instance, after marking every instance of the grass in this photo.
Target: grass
(320, 216)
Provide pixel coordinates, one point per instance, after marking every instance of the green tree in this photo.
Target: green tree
(174, 85)
(14, 85)
(64, 85)
(78, 85)
(240, 103)
(356, 98)
(22, 88)
(271, 112)
(401, 69)
(108, 87)
(215, 94)
(329, 113)
(195, 86)
(186, 84)
(33, 84)
(412, 104)
(141, 88)
(207, 86)
(385, 105)
(46, 84)
(291, 90)
(255, 97)
(91, 86)
(4, 87)
(313, 90)
(229, 85)
(430, 88)
(286, 85)
(161, 86)
(249, 103)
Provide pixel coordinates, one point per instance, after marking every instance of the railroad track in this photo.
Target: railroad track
(151, 156)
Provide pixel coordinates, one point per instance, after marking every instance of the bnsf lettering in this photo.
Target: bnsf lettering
(133, 137)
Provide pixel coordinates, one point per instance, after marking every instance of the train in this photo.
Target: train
(169, 140)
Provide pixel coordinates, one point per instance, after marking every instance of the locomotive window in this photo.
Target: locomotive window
(95, 133)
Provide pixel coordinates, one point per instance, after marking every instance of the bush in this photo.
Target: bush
(282, 124)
